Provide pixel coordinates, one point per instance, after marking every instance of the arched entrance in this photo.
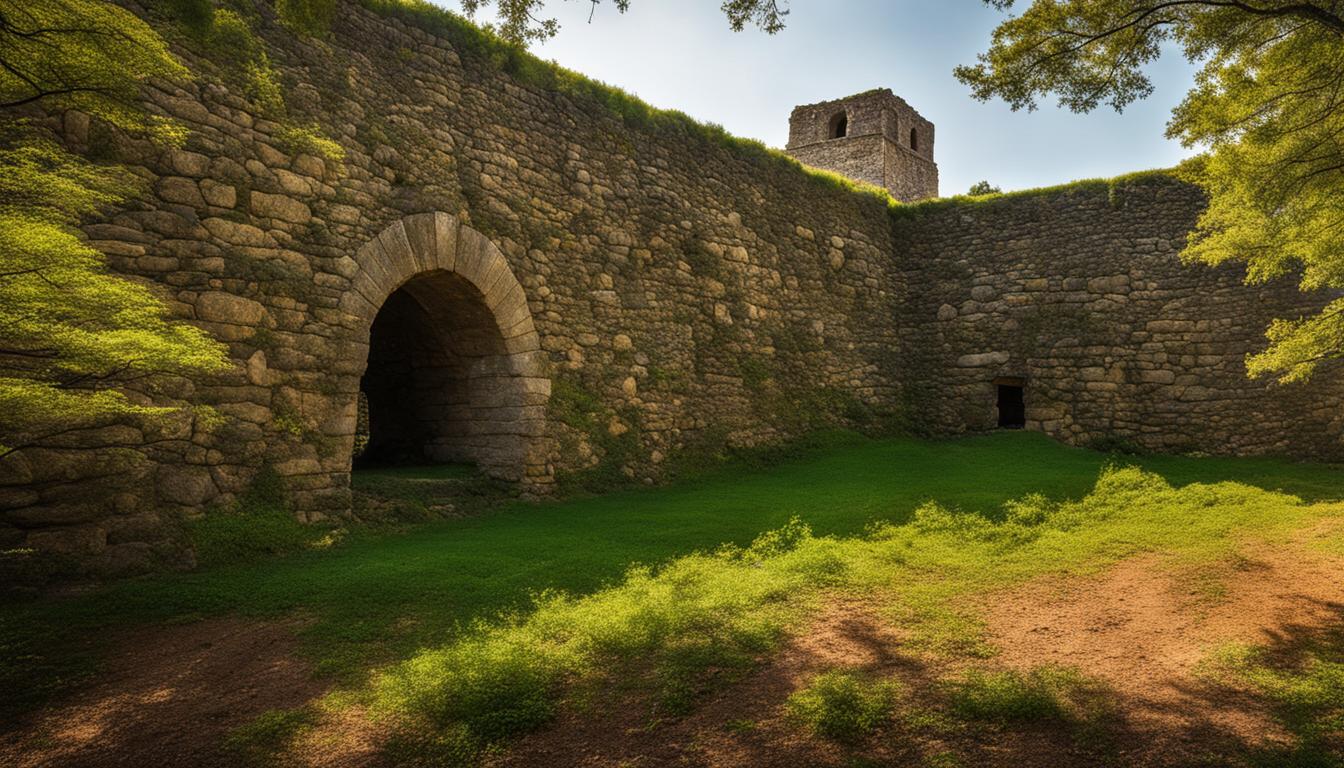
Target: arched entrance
(454, 370)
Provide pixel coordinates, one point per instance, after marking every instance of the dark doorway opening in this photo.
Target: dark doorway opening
(1012, 406)
(406, 359)
(436, 378)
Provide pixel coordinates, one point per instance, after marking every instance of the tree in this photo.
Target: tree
(983, 188)
(72, 335)
(520, 20)
(1267, 107)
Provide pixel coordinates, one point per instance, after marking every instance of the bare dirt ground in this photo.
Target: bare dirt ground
(1140, 629)
(171, 695)
(1143, 628)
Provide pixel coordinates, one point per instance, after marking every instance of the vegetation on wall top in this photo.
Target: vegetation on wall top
(484, 46)
(1266, 113)
(227, 37)
(1111, 186)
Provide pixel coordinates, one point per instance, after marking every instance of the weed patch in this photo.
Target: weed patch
(257, 525)
(246, 533)
(257, 743)
(698, 613)
(843, 705)
(1302, 681)
(1040, 695)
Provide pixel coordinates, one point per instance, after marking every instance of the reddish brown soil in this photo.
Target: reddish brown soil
(1140, 629)
(1143, 627)
(741, 725)
(172, 694)
(169, 697)
(346, 738)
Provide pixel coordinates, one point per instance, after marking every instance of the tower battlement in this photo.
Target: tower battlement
(873, 137)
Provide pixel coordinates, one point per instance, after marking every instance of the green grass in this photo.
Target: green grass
(843, 705)
(249, 533)
(564, 577)
(1301, 679)
(256, 743)
(705, 612)
(1039, 695)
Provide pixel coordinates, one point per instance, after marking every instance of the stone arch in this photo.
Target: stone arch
(438, 299)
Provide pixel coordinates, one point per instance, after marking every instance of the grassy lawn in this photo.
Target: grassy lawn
(378, 599)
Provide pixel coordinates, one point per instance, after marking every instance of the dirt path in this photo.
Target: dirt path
(1141, 628)
(741, 725)
(169, 697)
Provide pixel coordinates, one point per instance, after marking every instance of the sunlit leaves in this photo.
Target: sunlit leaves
(1297, 345)
(86, 54)
(70, 332)
(521, 22)
(73, 336)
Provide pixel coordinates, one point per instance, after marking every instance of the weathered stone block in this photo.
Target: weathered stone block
(78, 541)
(238, 233)
(218, 194)
(280, 207)
(178, 189)
(186, 163)
(186, 485)
(220, 307)
(982, 359)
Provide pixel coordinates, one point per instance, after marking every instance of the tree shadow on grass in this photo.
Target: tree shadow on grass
(1276, 703)
(1282, 705)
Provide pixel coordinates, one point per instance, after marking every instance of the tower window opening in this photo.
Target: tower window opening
(914, 138)
(839, 126)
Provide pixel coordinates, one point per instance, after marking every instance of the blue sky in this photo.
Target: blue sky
(680, 54)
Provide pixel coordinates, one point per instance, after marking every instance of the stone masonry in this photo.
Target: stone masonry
(523, 279)
(873, 137)
(1080, 295)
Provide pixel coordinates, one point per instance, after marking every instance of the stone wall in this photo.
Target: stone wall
(525, 279)
(599, 294)
(1080, 294)
(909, 176)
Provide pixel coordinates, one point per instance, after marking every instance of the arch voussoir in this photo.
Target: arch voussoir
(369, 288)
(445, 241)
(397, 258)
(422, 235)
(497, 281)
(513, 310)
(473, 255)
(508, 297)
(483, 393)
(381, 279)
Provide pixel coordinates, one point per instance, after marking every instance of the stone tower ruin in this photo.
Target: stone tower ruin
(873, 137)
